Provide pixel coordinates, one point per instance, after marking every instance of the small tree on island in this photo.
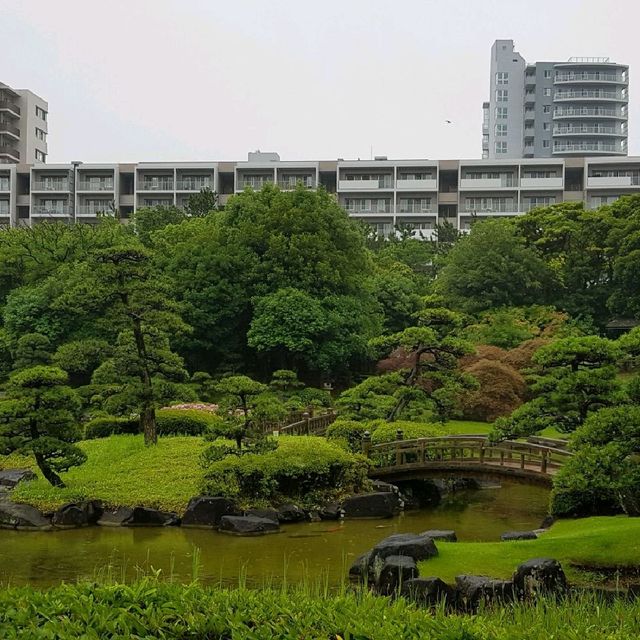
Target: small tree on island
(39, 418)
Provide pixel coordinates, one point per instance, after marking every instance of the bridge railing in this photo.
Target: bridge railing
(309, 426)
(455, 451)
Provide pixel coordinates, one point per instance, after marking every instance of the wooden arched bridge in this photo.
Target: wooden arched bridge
(537, 459)
(468, 455)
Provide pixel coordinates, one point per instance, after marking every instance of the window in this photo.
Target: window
(538, 201)
(540, 174)
(40, 156)
(501, 129)
(502, 77)
(40, 134)
(547, 73)
(415, 205)
(502, 95)
(546, 126)
(501, 112)
(546, 108)
(489, 204)
(545, 144)
(546, 91)
(501, 147)
(41, 113)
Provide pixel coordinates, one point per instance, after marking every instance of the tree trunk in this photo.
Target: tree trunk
(148, 413)
(53, 478)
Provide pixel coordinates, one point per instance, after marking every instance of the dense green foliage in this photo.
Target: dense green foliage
(306, 469)
(175, 612)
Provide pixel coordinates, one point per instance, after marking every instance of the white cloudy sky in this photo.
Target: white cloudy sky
(132, 80)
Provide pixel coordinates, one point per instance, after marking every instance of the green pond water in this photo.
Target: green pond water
(307, 551)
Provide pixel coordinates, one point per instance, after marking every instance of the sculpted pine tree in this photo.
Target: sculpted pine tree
(38, 418)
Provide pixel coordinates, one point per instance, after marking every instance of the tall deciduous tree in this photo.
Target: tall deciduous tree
(38, 418)
(201, 203)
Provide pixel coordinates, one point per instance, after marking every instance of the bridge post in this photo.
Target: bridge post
(366, 444)
(307, 423)
(481, 454)
(543, 463)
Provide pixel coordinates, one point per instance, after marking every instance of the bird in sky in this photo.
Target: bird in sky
(448, 122)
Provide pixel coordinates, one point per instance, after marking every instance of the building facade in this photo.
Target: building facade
(23, 126)
(554, 109)
(386, 194)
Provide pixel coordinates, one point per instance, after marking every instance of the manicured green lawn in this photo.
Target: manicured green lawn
(120, 470)
(472, 427)
(607, 542)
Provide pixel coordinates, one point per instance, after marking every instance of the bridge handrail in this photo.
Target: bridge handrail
(316, 425)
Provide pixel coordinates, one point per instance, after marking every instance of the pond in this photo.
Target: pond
(306, 551)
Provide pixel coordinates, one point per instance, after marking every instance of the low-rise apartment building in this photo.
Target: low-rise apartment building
(386, 194)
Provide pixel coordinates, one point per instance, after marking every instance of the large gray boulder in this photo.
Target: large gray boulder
(269, 514)
(395, 571)
(383, 504)
(359, 570)
(428, 592)
(509, 536)
(539, 576)
(446, 535)
(22, 517)
(78, 514)
(145, 517)
(11, 477)
(247, 525)
(291, 513)
(417, 547)
(207, 511)
(330, 512)
(115, 517)
(474, 590)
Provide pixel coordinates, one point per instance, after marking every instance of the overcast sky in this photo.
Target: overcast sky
(136, 80)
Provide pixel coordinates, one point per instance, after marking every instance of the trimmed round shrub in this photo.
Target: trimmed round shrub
(185, 422)
(110, 426)
(382, 431)
(347, 433)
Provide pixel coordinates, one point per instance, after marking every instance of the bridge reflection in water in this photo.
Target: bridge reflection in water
(474, 455)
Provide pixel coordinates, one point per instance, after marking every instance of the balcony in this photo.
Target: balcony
(598, 182)
(541, 183)
(474, 184)
(489, 212)
(407, 207)
(165, 184)
(96, 186)
(385, 182)
(10, 151)
(426, 184)
(589, 76)
(587, 129)
(373, 208)
(193, 184)
(7, 105)
(8, 129)
(289, 184)
(588, 147)
(93, 210)
(588, 112)
(254, 183)
(51, 211)
(589, 94)
(50, 185)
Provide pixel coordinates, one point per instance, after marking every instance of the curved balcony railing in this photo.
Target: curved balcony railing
(589, 94)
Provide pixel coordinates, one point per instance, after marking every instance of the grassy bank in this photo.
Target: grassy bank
(149, 609)
(120, 470)
(606, 542)
(473, 427)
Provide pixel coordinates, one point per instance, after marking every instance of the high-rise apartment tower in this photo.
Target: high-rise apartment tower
(554, 109)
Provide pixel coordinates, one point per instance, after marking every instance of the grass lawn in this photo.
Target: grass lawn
(605, 542)
(120, 470)
(472, 427)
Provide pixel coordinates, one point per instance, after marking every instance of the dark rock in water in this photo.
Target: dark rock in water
(394, 572)
(383, 504)
(418, 494)
(547, 522)
(115, 517)
(144, 517)
(291, 513)
(518, 535)
(473, 590)
(330, 512)
(11, 477)
(540, 576)
(448, 535)
(381, 486)
(414, 546)
(78, 514)
(248, 525)
(22, 517)
(358, 571)
(428, 592)
(268, 514)
(206, 511)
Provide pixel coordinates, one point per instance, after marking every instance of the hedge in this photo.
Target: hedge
(382, 431)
